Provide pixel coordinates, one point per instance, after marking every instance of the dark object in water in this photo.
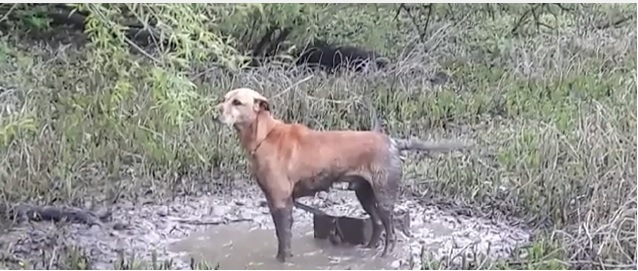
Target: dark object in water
(331, 58)
(349, 230)
(342, 229)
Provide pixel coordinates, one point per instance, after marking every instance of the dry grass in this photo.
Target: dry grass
(553, 114)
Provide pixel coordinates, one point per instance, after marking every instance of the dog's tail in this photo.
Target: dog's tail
(439, 146)
(412, 144)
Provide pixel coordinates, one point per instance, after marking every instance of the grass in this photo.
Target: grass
(552, 111)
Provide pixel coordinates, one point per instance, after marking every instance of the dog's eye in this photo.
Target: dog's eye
(236, 102)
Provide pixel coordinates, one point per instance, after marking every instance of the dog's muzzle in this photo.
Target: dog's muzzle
(218, 119)
(222, 120)
(218, 114)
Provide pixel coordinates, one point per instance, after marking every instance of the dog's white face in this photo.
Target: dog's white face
(241, 106)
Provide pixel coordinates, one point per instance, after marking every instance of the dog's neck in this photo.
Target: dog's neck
(252, 135)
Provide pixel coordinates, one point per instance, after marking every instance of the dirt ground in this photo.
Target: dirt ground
(197, 227)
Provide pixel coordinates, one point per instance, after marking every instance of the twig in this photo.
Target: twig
(615, 23)
(490, 11)
(415, 23)
(294, 85)
(396, 15)
(563, 8)
(427, 21)
(198, 75)
(523, 17)
(130, 42)
(198, 222)
(6, 15)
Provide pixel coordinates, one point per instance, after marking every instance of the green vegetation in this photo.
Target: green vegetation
(547, 92)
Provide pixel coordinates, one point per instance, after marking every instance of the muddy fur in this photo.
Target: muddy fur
(333, 58)
(290, 161)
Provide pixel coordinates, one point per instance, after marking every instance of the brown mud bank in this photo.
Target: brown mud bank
(234, 230)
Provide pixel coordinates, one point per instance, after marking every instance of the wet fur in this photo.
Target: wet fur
(290, 161)
(295, 161)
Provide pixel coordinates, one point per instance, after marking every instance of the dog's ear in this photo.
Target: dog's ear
(261, 103)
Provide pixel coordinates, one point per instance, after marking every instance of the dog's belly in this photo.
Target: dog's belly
(323, 181)
(309, 188)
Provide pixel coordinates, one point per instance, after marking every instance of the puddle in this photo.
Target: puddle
(241, 246)
(253, 245)
(193, 226)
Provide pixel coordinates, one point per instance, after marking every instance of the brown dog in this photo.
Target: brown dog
(291, 161)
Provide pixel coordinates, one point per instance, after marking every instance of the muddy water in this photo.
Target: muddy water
(253, 245)
(189, 226)
(245, 247)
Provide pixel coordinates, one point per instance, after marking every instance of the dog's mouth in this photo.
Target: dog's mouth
(221, 120)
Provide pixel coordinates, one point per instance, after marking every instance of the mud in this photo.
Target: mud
(245, 246)
(235, 231)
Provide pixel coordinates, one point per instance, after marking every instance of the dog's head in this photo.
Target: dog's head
(241, 106)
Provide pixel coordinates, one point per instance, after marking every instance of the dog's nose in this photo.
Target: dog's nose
(217, 118)
(217, 113)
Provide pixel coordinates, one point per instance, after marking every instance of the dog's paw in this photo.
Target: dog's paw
(282, 257)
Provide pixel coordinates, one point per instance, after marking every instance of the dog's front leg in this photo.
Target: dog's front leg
(281, 211)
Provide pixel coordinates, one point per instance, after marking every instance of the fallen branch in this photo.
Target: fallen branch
(23, 212)
(615, 23)
(200, 222)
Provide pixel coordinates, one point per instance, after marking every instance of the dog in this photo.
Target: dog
(290, 160)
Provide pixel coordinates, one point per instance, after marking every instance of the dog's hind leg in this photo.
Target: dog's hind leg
(366, 197)
(385, 209)
(386, 193)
